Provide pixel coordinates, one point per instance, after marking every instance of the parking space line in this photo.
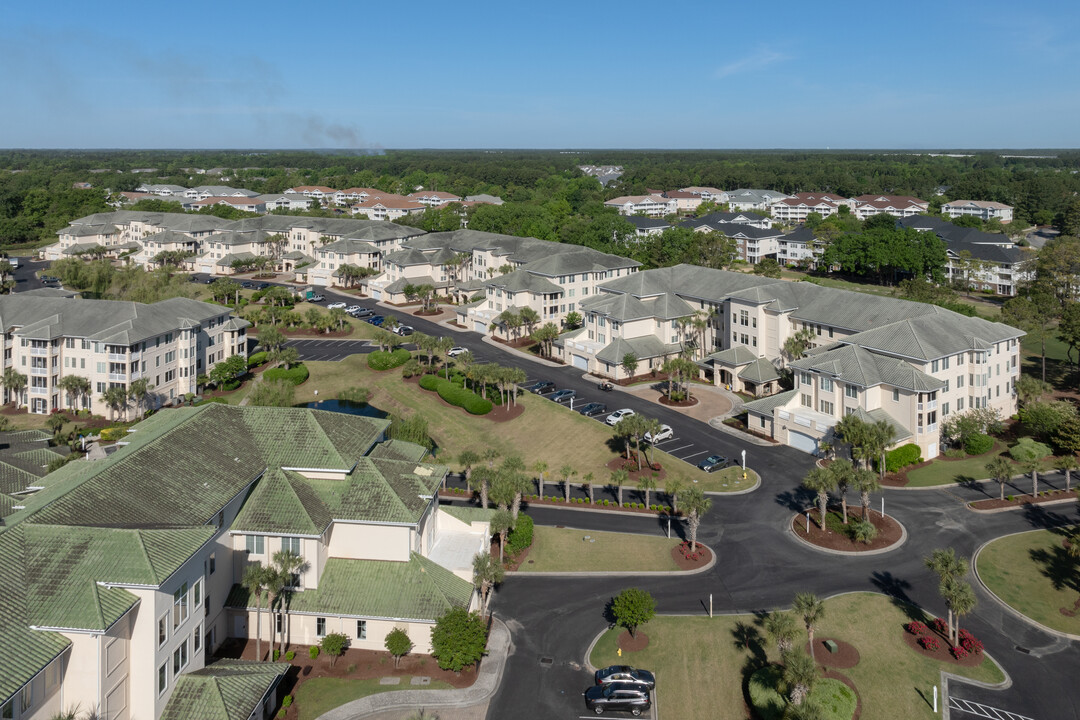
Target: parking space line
(694, 455)
(675, 450)
(664, 442)
(985, 711)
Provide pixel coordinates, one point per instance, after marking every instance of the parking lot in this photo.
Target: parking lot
(329, 350)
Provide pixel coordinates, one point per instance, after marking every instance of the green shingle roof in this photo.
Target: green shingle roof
(468, 515)
(283, 503)
(418, 590)
(225, 690)
(399, 450)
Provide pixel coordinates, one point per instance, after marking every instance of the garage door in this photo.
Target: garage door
(799, 441)
(479, 327)
(581, 363)
(376, 294)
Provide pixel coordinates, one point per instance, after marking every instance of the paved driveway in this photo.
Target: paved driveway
(329, 349)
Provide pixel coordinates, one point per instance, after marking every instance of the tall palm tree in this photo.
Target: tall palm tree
(502, 522)
(75, 387)
(116, 398)
(286, 565)
(800, 675)
(866, 481)
(960, 598)
(673, 487)
(480, 481)
(843, 473)
(619, 478)
(467, 459)
(821, 481)
(529, 317)
(812, 611)
(443, 346)
(879, 437)
(695, 505)
(646, 483)
(139, 392)
(512, 471)
(1067, 463)
(540, 468)
(624, 429)
(588, 482)
(782, 628)
(851, 429)
(1033, 466)
(1001, 470)
(950, 569)
(255, 580)
(567, 472)
(15, 382)
(486, 575)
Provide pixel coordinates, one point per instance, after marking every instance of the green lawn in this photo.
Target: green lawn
(319, 695)
(1033, 574)
(568, 550)
(1055, 349)
(547, 431)
(893, 681)
(949, 472)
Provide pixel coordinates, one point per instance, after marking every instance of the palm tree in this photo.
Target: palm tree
(443, 346)
(782, 628)
(116, 398)
(467, 459)
(673, 487)
(1001, 470)
(486, 575)
(821, 481)
(286, 565)
(502, 522)
(843, 473)
(74, 387)
(540, 468)
(512, 472)
(255, 581)
(949, 569)
(1067, 463)
(624, 429)
(812, 611)
(961, 600)
(567, 472)
(646, 483)
(139, 392)
(800, 675)
(618, 479)
(879, 437)
(866, 482)
(1033, 466)
(851, 429)
(529, 317)
(480, 481)
(695, 505)
(15, 382)
(588, 482)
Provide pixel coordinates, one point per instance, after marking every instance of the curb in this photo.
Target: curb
(538, 360)
(485, 685)
(946, 676)
(1013, 611)
(849, 553)
(983, 481)
(585, 508)
(619, 573)
(753, 440)
(722, 493)
(1013, 508)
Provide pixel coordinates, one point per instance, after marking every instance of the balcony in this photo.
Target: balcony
(39, 371)
(931, 405)
(39, 391)
(39, 351)
(118, 357)
(118, 377)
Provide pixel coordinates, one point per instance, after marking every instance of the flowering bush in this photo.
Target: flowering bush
(915, 628)
(970, 643)
(958, 652)
(939, 626)
(929, 642)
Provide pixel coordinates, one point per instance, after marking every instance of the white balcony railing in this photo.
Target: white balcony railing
(39, 391)
(39, 371)
(39, 352)
(118, 357)
(118, 377)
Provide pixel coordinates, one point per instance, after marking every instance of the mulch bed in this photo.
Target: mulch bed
(633, 644)
(451, 495)
(704, 557)
(619, 463)
(457, 325)
(1021, 500)
(739, 425)
(834, 675)
(423, 313)
(499, 413)
(678, 403)
(942, 653)
(846, 656)
(889, 532)
(519, 343)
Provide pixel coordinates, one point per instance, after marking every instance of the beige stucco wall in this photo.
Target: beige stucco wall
(369, 542)
(301, 630)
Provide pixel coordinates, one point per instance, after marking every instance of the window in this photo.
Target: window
(959, 381)
(935, 366)
(361, 629)
(807, 401)
(851, 391)
(197, 639)
(896, 396)
(162, 678)
(213, 562)
(162, 629)
(27, 696)
(826, 407)
(320, 627)
(180, 606)
(960, 405)
(804, 378)
(945, 363)
(826, 384)
(196, 594)
(256, 544)
(180, 658)
(944, 409)
(946, 388)
(291, 545)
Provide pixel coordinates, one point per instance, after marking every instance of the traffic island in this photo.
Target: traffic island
(840, 538)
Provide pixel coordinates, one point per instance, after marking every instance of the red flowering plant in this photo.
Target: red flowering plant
(915, 628)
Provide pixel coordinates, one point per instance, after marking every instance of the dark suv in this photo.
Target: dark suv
(617, 696)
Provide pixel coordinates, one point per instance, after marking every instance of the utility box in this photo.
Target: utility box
(831, 646)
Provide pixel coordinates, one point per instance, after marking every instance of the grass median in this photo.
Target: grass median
(320, 695)
(943, 471)
(571, 550)
(893, 681)
(1034, 574)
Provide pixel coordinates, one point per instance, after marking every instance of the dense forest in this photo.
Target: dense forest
(547, 195)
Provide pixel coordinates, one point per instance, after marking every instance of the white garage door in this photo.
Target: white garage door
(479, 327)
(376, 294)
(799, 441)
(581, 363)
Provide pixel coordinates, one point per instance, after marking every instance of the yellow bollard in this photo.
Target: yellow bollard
(619, 651)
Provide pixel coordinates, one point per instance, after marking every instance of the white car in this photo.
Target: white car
(618, 415)
(456, 350)
(335, 305)
(353, 308)
(664, 433)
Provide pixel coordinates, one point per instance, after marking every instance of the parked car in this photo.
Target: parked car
(456, 350)
(562, 395)
(665, 433)
(606, 386)
(363, 312)
(618, 415)
(714, 462)
(404, 330)
(626, 674)
(617, 696)
(353, 308)
(247, 284)
(335, 305)
(316, 298)
(593, 408)
(543, 387)
(209, 279)
(262, 286)
(376, 320)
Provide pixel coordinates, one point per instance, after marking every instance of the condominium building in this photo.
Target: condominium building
(650, 205)
(982, 209)
(112, 343)
(900, 206)
(979, 260)
(797, 208)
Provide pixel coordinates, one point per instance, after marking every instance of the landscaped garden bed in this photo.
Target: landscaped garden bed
(1019, 501)
(740, 425)
(837, 536)
(931, 640)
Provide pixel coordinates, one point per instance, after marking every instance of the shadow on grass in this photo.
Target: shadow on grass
(896, 589)
(748, 637)
(1057, 565)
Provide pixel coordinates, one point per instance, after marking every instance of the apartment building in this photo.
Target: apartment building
(123, 575)
(797, 208)
(112, 343)
(744, 199)
(900, 206)
(313, 192)
(799, 247)
(983, 209)
(990, 262)
(712, 221)
(433, 198)
(387, 206)
(705, 193)
(645, 226)
(650, 205)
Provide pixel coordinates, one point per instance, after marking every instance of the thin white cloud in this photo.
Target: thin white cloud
(757, 60)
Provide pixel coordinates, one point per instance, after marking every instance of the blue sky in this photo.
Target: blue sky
(954, 74)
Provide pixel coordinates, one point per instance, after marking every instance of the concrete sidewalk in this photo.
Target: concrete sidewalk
(462, 704)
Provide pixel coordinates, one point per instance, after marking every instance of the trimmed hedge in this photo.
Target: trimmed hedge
(257, 359)
(978, 443)
(1028, 449)
(296, 374)
(902, 456)
(521, 536)
(382, 360)
(456, 395)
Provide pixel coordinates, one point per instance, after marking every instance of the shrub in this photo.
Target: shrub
(257, 359)
(399, 644)
(863, 531)
(458, 639)
(429, 382)
(295, 375)
(958, 652)
(929, 642)
(351, 668)
(1028, 449)
(410, 368)
(969, 642)
(290, 655)
(521, 536)
(286, 701)
(456, 395)
(1010, 498)
(277, 654)
(313, 652)
(916, 628)
(978, 443)
(939, 626)
(381, 360)
(334, 645)
(902, 457)
(632, 608)
(112, 434)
